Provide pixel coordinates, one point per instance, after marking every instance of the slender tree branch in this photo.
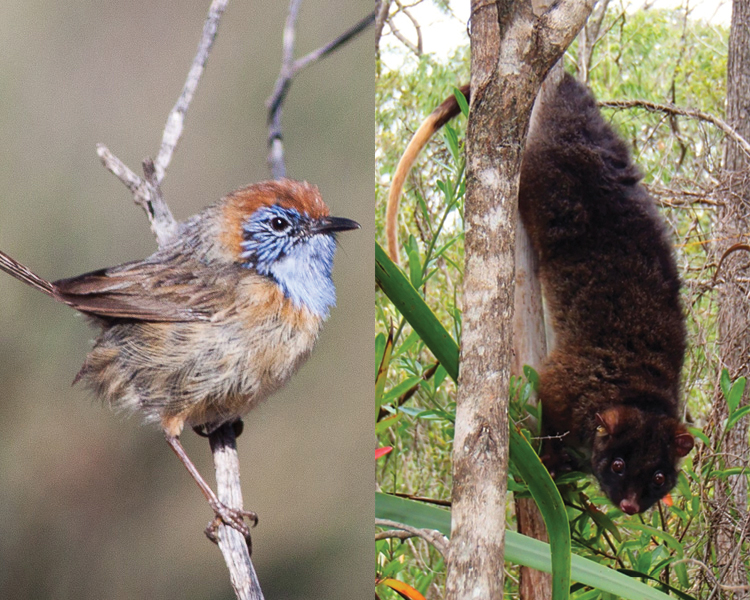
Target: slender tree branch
(393, 534)
(431, 536)
(402, 38)
(147, 194)
(176, 119)
(671, 109)
(276, 101)
(415, 23)
(289, 68)
(231, 542)
(381, 9)
(334, 45)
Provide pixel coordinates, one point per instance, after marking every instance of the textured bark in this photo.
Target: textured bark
(733, 225)
(511, 53)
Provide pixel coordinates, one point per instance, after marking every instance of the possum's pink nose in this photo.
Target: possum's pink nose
(629, 506)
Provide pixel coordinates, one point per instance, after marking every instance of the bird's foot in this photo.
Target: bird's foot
(232, 517)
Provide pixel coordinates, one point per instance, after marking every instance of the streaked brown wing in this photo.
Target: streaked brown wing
(147, 291)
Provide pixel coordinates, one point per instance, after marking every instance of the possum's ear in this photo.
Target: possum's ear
(610, 421)
(683, 441)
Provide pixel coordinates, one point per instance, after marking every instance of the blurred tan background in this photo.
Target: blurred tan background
(93, 504)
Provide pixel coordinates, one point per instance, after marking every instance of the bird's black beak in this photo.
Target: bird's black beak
(333, 224)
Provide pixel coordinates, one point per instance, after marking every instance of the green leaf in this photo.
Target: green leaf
(520, 549)
(725, 383)
(737, 414)
(532, 376)
(382, 373)
(439, 377)
(379, 349)
(698, 433)
(400, 389)
(550, 504)
(410, 340)
(462, 103)
(671, 542)
(382, 426)
(415, 263)
(735, 394)
(724, 473)
(451, 140)
(414, 309)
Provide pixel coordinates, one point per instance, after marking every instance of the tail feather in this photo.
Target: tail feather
(13, 267)
(436, 119)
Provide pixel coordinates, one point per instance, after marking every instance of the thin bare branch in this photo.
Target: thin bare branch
(393, 534)
(381, 9)
(229, 491)
(163, 224)
(289, 68)
(431, 536)
(276, 101)
(324, 51)
(415, 48)
(671, 109)
(415, 23)
(402, 38)
(147, 193)
(176, 119)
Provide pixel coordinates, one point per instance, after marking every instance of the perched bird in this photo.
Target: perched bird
(215, 321)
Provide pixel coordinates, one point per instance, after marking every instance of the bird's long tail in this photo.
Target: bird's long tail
(15, 268)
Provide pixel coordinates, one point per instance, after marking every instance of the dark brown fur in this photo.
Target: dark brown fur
(610, 389)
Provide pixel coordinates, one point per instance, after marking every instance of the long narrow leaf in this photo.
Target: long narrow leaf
(414, 309)
(548, 499)
(519, 549)
(441, 344)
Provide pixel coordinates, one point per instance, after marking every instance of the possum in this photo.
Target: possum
(610, 389)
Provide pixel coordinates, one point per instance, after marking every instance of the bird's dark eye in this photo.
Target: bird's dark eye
(618, 466)
(659, 479)
(279, 224)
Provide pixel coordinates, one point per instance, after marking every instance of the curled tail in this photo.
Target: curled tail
(436, 119)
(15, 268)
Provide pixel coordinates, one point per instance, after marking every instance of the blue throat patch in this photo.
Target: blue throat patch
(279, 243)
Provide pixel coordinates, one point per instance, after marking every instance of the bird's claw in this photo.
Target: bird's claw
(234, 518)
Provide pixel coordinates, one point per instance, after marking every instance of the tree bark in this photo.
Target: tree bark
(733, 303)
(512, 51)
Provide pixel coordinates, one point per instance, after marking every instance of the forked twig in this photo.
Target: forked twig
(439, 541)
(289, 68)
(671, 109)
(146, 192)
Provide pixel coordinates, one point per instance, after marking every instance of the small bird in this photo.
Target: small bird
(215, 321)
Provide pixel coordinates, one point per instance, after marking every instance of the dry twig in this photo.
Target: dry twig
(671, 109)
(147, 194)
(289, 68)
(431, 536)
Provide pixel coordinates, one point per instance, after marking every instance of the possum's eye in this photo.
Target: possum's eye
(659, 479)
(618, 466)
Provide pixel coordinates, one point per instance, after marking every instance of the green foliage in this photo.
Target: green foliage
(650, 55)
